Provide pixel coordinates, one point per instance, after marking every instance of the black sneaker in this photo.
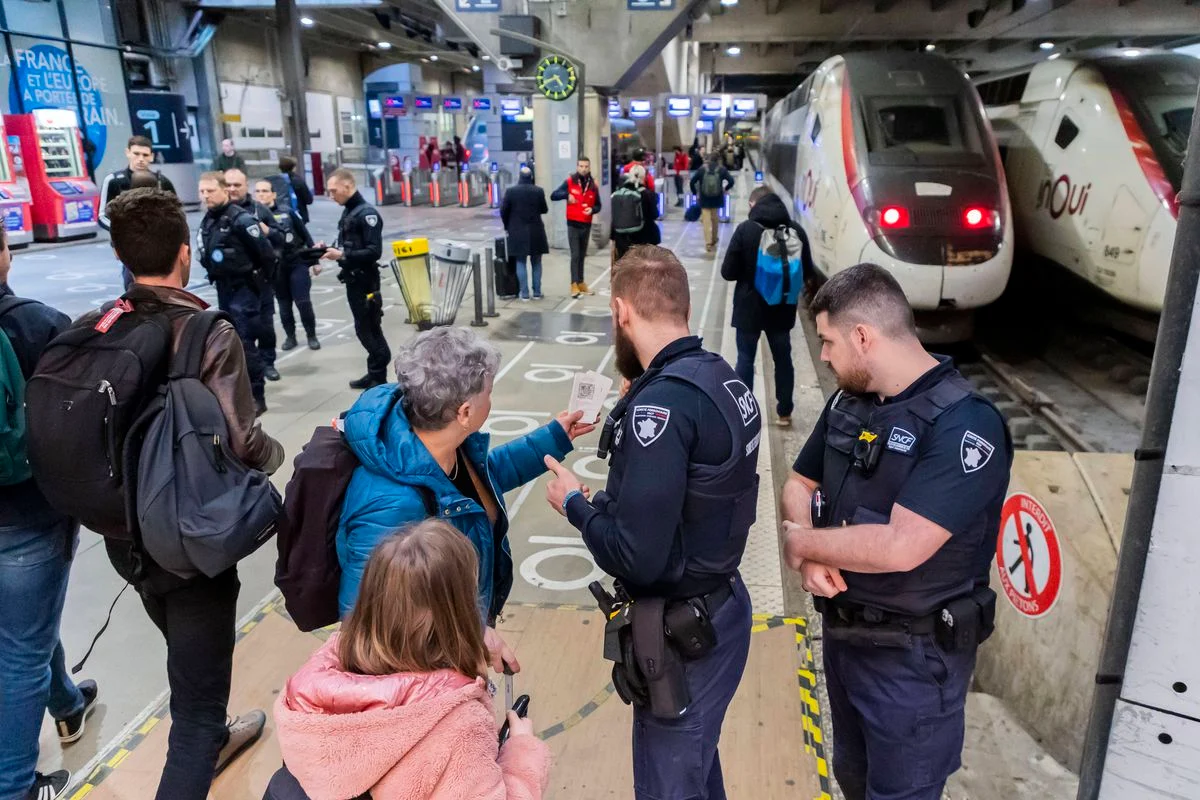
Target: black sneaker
(289, 343)
(313, 343)
(271, 374)
(71, 729)
(260, 408)
(49, 787)
(366, 382)
(244, 731)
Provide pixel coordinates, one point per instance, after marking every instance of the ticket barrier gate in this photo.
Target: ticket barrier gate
(498, 183)
(414, 187)
(443, 188)
(473, 188)
(726, 211)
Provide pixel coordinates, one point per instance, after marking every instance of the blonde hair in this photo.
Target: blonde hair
(217, 177)
(416, 609)
(638, 173)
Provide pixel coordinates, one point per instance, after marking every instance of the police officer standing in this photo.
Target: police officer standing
(239, 193)
(293, 282)
(892, 514)
(357, 250)
(672, 523)
(234, 251)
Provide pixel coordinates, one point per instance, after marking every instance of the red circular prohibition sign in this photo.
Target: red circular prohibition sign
(1028, 557)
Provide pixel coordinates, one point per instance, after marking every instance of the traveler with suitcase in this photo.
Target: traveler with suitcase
(399, 698)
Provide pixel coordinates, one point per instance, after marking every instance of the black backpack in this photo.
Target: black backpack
(626, 205)
(200, 510)
(91, 383)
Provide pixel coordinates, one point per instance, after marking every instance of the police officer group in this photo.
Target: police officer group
(890, 516)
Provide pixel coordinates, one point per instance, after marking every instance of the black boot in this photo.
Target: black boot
(289, 342)
(313, 342)
(271, 374)
(367, 382)
(260, 407)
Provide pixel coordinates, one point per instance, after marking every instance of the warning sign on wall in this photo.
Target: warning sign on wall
(1028, 556)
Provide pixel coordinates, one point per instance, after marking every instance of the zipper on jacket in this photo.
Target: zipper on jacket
(104, 387)
(218, 453)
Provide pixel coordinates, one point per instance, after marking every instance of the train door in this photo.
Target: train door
(1061, 195)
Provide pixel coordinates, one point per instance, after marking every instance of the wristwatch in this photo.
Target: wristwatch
(567, 499)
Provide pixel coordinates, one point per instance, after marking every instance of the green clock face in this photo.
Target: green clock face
(557, 77)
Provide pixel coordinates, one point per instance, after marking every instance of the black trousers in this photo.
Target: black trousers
(577, 236)
(197, 617)
(366, 304)
(294, 285)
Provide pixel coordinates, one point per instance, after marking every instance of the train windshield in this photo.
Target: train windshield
(1161, 92)
(922, 130)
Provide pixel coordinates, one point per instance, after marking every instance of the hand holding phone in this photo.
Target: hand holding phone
(516, 722)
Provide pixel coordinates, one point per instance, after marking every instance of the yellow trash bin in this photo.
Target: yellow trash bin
(411, 268)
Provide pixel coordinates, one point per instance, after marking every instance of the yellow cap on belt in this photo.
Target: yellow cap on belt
(403, 248)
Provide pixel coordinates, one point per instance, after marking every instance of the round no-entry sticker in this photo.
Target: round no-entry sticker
(1028, 556)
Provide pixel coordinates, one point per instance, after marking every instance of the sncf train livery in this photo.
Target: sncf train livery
(889, 158)
(1093, 147)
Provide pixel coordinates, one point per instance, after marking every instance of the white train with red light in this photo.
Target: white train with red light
(1093, 147)
(888, 158)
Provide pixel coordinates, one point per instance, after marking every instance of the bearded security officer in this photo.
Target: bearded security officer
(239, 192)
(672, 523)
(293, 283)
(357, 250)
(234, 251)
(892, 514)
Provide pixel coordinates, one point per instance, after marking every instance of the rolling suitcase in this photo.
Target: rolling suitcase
(505, 270)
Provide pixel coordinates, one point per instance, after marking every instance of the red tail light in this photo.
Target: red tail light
(893, 217)
(977, 218)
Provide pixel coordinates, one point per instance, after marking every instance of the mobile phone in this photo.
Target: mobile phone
(522, 709)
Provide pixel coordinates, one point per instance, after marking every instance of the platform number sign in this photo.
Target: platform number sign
(162, 118)
(650, 5)
(1028, 557)
(477, 5)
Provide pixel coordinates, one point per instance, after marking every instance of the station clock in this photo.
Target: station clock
(557, 77)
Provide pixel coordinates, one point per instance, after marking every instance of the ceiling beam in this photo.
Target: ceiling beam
(829, 6)
(937, 5)
(884, 6)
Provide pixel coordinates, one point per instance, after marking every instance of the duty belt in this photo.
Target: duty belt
(853, 615)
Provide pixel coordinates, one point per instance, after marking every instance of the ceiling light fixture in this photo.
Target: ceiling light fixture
(486, 57)
(1054, 56)
(1131, 53)
(385, 45)
(474, 68)
(433, 58)
(307, 22)
(929, 48)
(1046, 45)
(729, 2)
(733, 50)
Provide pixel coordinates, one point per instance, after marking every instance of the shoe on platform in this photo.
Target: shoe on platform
(49, 787)
(244, 731)
(289, 343)
(524, 299)
(583, 287)
(576, 291)
(366, 382)
(538, 297)
(314, 343)
(784, 422)
(71, 729)
(260, 408)
(271, 374)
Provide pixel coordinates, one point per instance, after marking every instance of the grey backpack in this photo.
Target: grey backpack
(199, 509)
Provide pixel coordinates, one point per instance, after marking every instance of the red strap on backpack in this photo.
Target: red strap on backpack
(110, 317)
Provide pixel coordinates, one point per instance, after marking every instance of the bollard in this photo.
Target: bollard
(479, 321)
(489, 275)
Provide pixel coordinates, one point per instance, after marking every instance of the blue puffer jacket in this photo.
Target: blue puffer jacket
(400, 482)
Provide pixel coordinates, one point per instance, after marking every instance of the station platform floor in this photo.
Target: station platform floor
(773, 744)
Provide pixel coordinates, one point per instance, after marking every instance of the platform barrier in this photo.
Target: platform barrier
(472, 188)
(726, 212)
(443, 188)
(498, 183)
(433, 279)
(1063, 542)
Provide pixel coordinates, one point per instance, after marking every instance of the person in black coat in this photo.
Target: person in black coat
(649, 234)
(299, 194)
(521, 212)
(752, 316)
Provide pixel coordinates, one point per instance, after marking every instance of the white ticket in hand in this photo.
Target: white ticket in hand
(588, 393)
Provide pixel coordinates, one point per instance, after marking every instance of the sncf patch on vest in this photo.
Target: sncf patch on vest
(747, 405)
(900, 440)
(649, 422)
(975, 452)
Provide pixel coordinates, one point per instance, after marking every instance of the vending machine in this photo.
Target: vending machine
(66, 203)
(15, 208)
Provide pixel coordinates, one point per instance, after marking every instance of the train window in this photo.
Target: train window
(921, 129)
(816, 129)
(1067, 131)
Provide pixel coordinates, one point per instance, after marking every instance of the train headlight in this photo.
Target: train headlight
(977, 218)
(891, 217)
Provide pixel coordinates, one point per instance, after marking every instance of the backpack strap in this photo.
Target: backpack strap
(189, 357)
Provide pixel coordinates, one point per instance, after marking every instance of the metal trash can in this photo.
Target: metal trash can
(433, 279)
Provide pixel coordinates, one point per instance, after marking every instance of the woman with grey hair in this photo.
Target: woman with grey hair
(422, 455)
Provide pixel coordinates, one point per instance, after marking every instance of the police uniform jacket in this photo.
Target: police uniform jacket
(266, 217)
(682, 489)
(295, 233)
(360, 236)
(121, 181)
(944, 454)
(232, 246)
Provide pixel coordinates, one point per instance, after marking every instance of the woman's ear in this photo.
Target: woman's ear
(463, 415)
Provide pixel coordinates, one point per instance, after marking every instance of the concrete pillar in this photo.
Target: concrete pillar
(597, 145)
(557, 137)
(291, 58)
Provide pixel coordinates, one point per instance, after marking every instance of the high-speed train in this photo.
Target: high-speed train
(1093, 147)
(888, 158)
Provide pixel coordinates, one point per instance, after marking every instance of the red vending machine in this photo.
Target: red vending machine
(15, 208)
(66, 203)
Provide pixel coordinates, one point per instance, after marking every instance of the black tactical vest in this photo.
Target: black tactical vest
(901, 429)
(222, 253)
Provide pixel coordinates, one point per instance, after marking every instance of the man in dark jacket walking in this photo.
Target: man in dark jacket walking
(752, 315)
(710, 185)
(521, 212)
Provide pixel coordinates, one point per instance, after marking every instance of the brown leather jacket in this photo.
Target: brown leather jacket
(224, 373)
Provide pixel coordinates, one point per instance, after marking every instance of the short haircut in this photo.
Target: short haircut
(441, 369)
(866, 294)
(714, 159)
(584, 158)
(653, 282)
(287, 163)
(147, 227)
(270, 185)
(139, 141)
(217, 176)
(759, 193)
(343, 174)
(238, 171)
(143, 179)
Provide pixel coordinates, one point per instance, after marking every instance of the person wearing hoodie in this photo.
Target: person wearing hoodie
(752, 315)
(397, 704)
(422, 455)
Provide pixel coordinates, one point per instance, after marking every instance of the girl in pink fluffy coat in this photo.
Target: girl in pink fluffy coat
(397, 704)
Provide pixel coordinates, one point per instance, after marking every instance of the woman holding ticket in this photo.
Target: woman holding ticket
(422, 455)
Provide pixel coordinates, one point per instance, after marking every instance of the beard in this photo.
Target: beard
(854, 379)
(626, 359)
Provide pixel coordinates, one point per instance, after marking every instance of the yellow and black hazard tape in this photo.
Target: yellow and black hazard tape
(814, 736)
(110, 760)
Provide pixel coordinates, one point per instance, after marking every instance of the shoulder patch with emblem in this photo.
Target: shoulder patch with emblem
(254, 230)
(649, 423)
(900, 440)
(975, 452)
(372, 220)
